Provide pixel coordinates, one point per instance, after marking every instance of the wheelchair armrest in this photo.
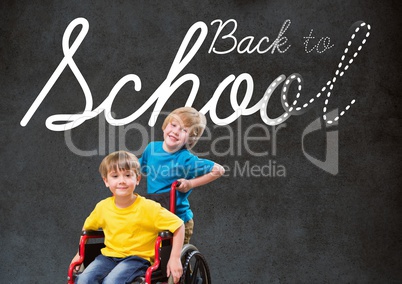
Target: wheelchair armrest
(162, 246)
(165, 234)
(85, 235)
(93, 233)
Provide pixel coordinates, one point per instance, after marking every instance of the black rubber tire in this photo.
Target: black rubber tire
(185, 251)
(195, 269)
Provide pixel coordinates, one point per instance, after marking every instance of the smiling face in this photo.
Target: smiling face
(191, 121)
(122, 183)
(175, 136)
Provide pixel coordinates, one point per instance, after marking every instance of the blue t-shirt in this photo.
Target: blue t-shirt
(162, 168)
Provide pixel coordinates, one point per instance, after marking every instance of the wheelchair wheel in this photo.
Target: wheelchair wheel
(185, 251)
(196, 270)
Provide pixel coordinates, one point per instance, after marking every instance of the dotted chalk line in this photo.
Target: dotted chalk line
(329, 85)
(340, 73)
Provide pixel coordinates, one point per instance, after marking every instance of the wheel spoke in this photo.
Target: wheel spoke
(195, 272)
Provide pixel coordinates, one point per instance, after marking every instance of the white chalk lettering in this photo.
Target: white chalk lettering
(245, 45)
(64, 122)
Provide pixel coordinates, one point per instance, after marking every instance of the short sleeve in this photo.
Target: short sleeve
(91, 223)
(195, 166)
(166, 220)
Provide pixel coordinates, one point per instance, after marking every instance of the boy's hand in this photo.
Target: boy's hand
(185, 185)
(175, 269)
(75, 259)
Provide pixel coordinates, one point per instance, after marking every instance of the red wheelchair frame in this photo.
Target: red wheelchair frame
(195, 267)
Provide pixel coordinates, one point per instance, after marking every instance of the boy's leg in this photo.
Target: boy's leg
(127, 270)
(188, 227)
(96, 270)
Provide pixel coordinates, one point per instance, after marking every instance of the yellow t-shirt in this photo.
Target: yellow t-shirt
(133, 230)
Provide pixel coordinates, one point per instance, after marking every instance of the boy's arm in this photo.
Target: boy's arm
(186, 185)
(174, 265)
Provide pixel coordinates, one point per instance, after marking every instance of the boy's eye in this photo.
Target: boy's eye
(174, 125)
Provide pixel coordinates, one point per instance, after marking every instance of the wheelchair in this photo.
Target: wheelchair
(195, 267)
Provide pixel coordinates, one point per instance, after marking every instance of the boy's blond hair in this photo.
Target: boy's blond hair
(190, 118)
(119, 160)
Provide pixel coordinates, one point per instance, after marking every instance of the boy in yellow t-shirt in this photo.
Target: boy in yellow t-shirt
(130, 223)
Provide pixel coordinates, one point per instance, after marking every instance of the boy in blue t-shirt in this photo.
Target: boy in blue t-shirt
(165, 162)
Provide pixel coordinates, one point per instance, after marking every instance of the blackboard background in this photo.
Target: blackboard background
(307, 227)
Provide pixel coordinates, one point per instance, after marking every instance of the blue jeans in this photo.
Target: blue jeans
(111, 270)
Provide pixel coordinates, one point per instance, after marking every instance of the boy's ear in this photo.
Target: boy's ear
(138, 179)
(105, 181)
(191, 141)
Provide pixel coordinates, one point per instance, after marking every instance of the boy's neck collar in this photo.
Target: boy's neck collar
(164, 147)
(122, 202)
